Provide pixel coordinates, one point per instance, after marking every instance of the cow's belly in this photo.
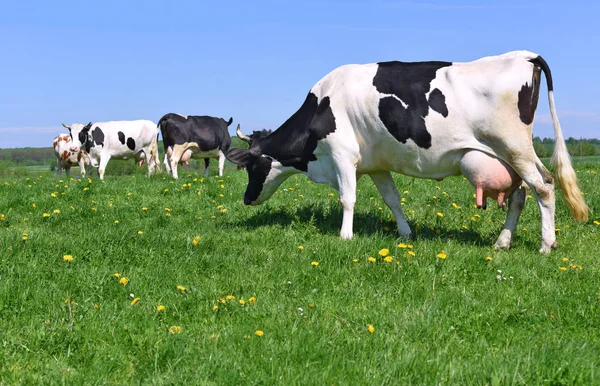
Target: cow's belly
(192, 150)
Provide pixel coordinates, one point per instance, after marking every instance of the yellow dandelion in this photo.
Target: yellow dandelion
(563, 268)
(3, 217)
(355, 260)
(401, 245)
(230, 297)
(215, 308)
(488, 258)
(252, 300)
(124, 280)
(410, 246)
(330, 194)
(384, 252)
(301, 247)
(440, 214)
(442, 255)
(259, 333)
(196, 240)
(370, 328)
(167, 209)
(411, 253)
(116, 221)
(221, 300)
(315, 263)
(242, 302)
(44, 215)
(160, 308)
(174, 330)
(596, 222)
(145, 209)
(455, 206)
(140, 233)
(388, 259)
(117, 275)
(565, 259)
(32, 205)
(371, 259)
(68, 258)
(181, 288)
(96, 306)
(135, 301)
(25, 236)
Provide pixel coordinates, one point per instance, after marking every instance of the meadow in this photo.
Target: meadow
(151, 280)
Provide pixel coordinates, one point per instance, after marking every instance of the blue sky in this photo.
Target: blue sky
(86, 61)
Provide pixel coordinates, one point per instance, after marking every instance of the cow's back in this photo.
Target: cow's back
(207, 132)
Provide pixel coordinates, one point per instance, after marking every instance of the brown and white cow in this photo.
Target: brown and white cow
(66, 158)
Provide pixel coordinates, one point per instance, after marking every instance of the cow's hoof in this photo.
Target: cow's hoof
(346, 235)
(545, 249)
(502, 245)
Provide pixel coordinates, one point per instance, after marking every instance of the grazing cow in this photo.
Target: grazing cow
(420, 119)
(65, 158)
(117, 139)
(192, 136)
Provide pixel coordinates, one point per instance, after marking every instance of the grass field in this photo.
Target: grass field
(139, 280)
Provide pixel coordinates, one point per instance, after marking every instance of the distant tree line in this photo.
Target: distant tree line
(576, 147)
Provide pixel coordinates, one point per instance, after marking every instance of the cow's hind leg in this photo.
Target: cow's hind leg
(389, 192)
(221, 162)
(102, 166)
(346, 181)
(206, 166)
(516, 203)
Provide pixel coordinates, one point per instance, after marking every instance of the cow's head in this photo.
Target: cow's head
(256, 135)
(265, 173)
(80, 136)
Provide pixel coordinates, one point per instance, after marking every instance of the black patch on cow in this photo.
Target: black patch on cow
(258, 170)
(293, 143)
(524, 104)
(409, 82)
(437, 102)
(98, 136)
(130, 143)
(121, 137)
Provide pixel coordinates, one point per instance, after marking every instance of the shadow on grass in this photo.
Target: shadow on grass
(328, 221)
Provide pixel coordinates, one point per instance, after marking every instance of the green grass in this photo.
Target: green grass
(457, 320)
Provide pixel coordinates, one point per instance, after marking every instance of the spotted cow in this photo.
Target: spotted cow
(117, 139)
(420, 119)
(193, 136)
(66, 158)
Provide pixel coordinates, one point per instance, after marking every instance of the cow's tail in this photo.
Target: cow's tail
(155, 152)
(567, 178)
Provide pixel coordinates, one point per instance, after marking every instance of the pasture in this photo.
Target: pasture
(137, 280)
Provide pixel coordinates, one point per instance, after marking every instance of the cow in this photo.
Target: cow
(65, 158)
(419, 119)
(256, 134)
(117, 139)
(194, 136)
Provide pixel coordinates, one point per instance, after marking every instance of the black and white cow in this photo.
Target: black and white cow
(117, 139)
(424, 120)
(194, 136)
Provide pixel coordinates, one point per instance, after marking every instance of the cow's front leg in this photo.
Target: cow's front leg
(68, 171)
(389, 192)
(516, 203)
(346, 180)
(102, 166)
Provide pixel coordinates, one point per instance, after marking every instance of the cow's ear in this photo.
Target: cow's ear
(230, 121)
(241, 157)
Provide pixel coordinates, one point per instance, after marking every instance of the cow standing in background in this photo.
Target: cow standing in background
(421, 119)
(193, 136)
(117, 139)
(65, 158)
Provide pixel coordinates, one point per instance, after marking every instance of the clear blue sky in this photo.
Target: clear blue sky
(80, 61)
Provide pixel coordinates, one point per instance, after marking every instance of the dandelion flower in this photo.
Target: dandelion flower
(442, 255)
(401, 245)
(44, 215)
(300, 247)
(230, 297)
(411, 253)
(440, 214)
(388, 259)
(25, 236)
(315, 263)
(565, 259)
(596, 222)
(563, 268)
(145, 209)
(215, 308)
(355, 260)
(116, 221)
(124, 281)
(370, 328)
(371, 259)
(134, 301)
(32, 205)
(68, 258)
(117, 275)
(384, 252)
(330, 194)
(195, 241)
(181, 288)
(242, 302)
(252, 300)
(259, 333)
(455, 206)
(96, 306)
(160, 308)
(488, 258)
(140, 233)
(174, 330)
(221, 300)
